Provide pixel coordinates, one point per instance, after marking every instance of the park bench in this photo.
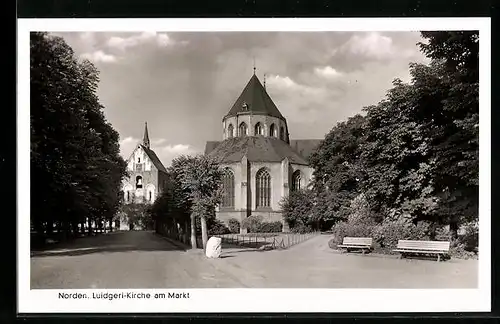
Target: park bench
(439, 248)
(357, 243)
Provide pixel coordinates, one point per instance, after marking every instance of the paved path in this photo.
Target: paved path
(144, 260)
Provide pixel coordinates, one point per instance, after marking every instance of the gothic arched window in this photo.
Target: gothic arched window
(228, 189)
(272, 130)
(282, 133)
(296, 180)
(138, 182)
(230, 131)
(243, 129)
(258, 129)
(263, 188)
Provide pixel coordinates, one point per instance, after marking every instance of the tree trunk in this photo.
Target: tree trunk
(454, 230)
(89, 224)
(186, 231)
(74, 225)
(65, 230)
(204, 233)
(50, 227)
(193, 232)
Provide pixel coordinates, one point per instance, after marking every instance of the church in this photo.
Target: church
(147, 176)
(261, 163)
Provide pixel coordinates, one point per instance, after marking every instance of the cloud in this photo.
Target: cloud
(123, 43)
(327, 72)
(99, 56)
(286, 84)
(169, 152)
(315, 79)
(373, 45)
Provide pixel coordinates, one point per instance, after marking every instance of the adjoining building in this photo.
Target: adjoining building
(262, 165)
(147, 176)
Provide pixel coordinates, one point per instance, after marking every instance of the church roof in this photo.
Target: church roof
(305, 147)
(254, 99)
(154, 158)
(256, 149)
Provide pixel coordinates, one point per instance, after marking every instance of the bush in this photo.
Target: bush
(252, 223)
(302, 229)
(270, 227)
(218, 228)
(458, 250)
(470, 239)
(234, 226)
(343, 229)
(389, 232)
(332, 244)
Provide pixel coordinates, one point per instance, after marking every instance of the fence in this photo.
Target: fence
(271, 240)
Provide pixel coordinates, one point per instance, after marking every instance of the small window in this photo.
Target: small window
(296, 180)
(272, 130)
(258, 129)
(128, 195)
(243, 129)
(138, 160)
(150, 196)
(230, 131)
(138, 182)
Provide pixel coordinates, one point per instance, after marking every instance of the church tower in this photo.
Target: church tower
(255, 114)
(145, 139)
(261, 164)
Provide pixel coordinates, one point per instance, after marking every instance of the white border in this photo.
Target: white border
(260, 300)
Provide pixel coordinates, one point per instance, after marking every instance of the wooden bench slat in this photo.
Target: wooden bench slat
(421, 251)
(357, 241)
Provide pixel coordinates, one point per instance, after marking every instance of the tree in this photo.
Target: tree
(200, 179)
(76, 169)
(415, 153)
(337, 169)
(297, 208)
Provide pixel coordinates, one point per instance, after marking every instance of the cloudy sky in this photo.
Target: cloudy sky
(183, 83)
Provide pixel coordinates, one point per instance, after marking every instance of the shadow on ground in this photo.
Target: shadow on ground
(109, 243)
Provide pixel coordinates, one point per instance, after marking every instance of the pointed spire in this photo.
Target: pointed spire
(264, 81)
(145, 140)
(254, 65)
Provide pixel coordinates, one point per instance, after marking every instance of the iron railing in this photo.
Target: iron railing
(270, 240)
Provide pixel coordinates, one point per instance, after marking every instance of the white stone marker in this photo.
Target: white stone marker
(214, 248)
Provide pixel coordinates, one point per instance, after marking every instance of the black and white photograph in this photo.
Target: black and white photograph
(168, 164)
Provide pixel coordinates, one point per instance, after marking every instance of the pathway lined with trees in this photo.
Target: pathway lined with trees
(76, 168)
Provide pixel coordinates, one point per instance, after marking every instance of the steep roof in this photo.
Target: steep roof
(154, 158)
(256, 149)
(256, 99)
(305, 147)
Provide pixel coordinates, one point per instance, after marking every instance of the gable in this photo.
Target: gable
(147, 158)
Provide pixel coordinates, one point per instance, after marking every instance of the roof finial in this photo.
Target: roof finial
(254, 65)
(264, 81)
